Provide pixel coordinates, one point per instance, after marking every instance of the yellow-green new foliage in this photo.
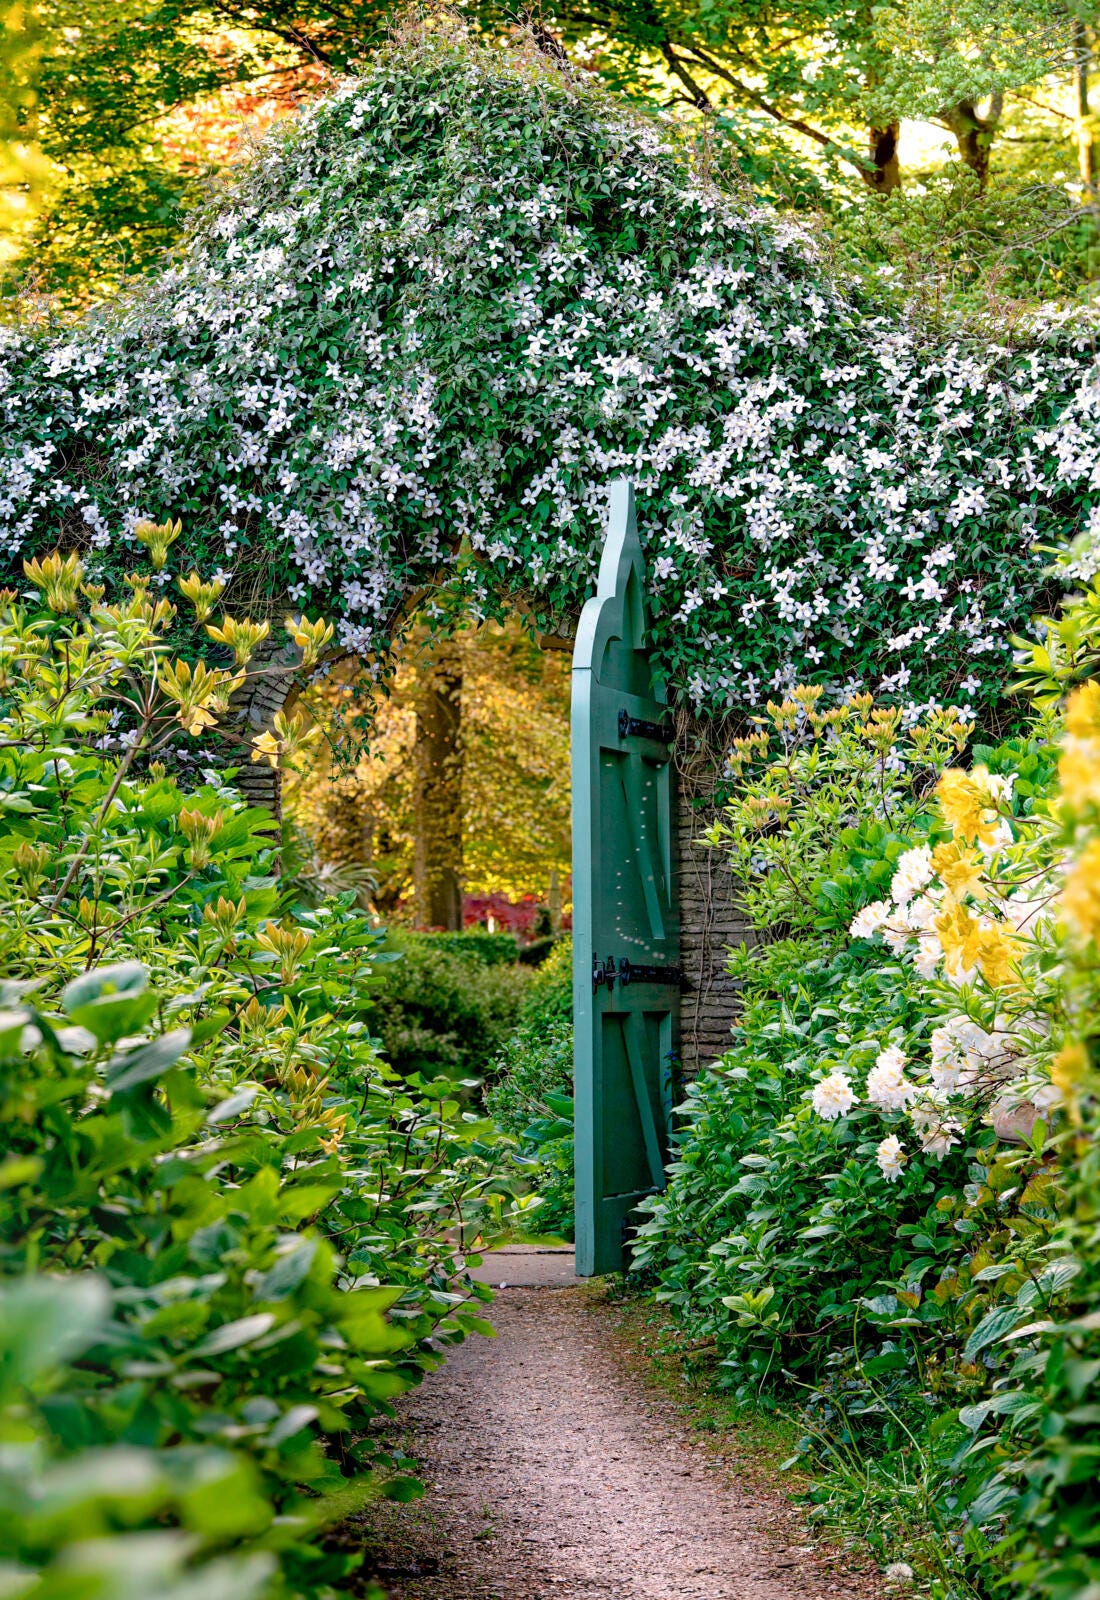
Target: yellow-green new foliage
(228, 1230)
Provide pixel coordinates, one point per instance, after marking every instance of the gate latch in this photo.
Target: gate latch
(637, 727)
(602, 973)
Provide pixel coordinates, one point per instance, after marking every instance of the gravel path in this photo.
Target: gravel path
(553, 1471)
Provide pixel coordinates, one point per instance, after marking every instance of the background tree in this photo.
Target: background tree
(464, 783)
(137, 108)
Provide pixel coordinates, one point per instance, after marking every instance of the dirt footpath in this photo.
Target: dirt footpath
(552, 1471)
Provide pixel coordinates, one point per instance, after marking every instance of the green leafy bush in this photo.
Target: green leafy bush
(474, 944)
(531, 1097)
(230, 1233)
(448, 1003)
(883, 1204)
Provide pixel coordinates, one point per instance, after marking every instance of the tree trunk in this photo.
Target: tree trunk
(974, 135)
(437, 857)
(1086, 147)
(554, 902)
(882, 147)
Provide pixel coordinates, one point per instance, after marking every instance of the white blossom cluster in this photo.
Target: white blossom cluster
(970, 1068)
(450, 302)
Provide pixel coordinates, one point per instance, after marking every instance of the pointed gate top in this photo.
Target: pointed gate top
(618, 609)
(622, 548)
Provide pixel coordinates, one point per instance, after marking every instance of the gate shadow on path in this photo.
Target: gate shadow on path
(552, 1470)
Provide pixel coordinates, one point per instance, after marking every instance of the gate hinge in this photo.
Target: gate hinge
(633, 972)
(639, 728)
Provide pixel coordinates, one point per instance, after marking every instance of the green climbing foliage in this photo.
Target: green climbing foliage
(402, 357)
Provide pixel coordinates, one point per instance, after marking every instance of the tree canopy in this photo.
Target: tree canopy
(402, 356)
(135, 108)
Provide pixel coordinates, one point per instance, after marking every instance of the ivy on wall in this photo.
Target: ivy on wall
(442, 308)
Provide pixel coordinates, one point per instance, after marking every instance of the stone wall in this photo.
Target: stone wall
(710, 922)
(252, 712)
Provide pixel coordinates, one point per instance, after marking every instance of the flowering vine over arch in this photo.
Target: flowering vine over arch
(438, 311)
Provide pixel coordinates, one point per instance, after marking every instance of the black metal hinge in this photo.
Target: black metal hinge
(638, 728)
(633, 972)
(637, 972)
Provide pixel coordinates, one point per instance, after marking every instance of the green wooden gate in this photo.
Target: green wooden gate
(626, 981)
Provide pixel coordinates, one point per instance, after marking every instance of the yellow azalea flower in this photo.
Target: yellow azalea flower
(59, 578)
(998, 954)
(310, 637)
(198, 692)
(225, 916)
(265, 747)
(958, 932)
(156, 537)
(242, 635)
(1068, 1071)
(199, 831)
(290, 736)
(1083, 711)
(288, 943)
(201, 595)
(959, 870)
(1080, 899)
(1079, 772)
(967, 946)
(967, 805)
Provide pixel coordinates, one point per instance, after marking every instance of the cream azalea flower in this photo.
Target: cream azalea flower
(887, 1085)
(833, 1097)
(914, 871)
(937, 1132)
(922, 912)
(1000, 838)
(929, 955)
(1046, 1098)
(897, 934)
(866, 923)
(891, 1158)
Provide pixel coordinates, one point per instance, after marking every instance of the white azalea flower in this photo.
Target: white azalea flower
(913, 872)
(891, 1158)
(866, 923)
(887, 1085)
(833, 1096)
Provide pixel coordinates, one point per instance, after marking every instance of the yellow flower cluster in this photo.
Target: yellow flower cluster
(201, 694)
(305, 1092)
(970, 944)
(969, 805)
(1079, 766)
(290, 736)
(59, 577)
(1079, 775)
(157, 537)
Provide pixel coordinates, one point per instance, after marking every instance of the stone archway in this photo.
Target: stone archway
(710, 921)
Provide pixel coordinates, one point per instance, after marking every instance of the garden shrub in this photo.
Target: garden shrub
(882, 1206)
(230, 1233)
(469, 288)
(531, 1095)
(476, 944)
(447, 1004)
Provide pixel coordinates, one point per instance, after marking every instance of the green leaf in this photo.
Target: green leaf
(46, 1321)
(992, 1328)
(112, 1017)
(234, 1335)
(403, 1490)
(126, 977)
(148, 1061)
